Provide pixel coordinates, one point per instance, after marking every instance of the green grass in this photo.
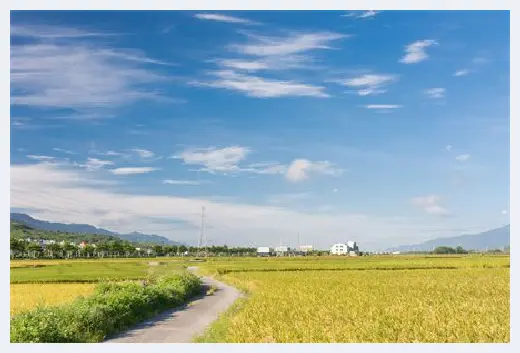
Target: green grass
(113, 308)
(89, 271)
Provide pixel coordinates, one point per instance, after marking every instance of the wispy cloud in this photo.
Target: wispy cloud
(302, 169)
(286, 52)
(53, 32)
(284, 62)
(430, 204)
(448, 147)
(215, 159)
(224, 18)
(435, 93)
(79, 76)
(63, 150)
(259, 87)
(143, 153)
(267, 168)
(93, 164)
(288, 45)
(383, 106)
(362, 14)
(462, 72)
(369, 84)
(416, 52)
(463, 157)
(110, 153)
(132, 170)
(182, 182)
(41, 158)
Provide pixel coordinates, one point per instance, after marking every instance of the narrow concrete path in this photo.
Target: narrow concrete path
(182, 325)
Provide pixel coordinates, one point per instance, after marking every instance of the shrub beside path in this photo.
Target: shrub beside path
(182, 325)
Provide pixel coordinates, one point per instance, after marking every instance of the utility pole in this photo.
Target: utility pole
(204, 236)
(201, 235)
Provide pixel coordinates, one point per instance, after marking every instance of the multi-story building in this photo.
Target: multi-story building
(348, 248)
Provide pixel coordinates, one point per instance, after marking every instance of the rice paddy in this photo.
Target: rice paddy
(315, 299)
(462, 300)
(25, 297)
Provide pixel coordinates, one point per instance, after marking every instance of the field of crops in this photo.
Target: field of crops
(25, 297)
(51, 282)
(84, 271)
(314, 299)
(396, 299)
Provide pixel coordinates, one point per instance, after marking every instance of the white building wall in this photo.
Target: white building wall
(339, 249)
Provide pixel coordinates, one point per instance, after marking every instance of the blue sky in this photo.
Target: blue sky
(386, 128)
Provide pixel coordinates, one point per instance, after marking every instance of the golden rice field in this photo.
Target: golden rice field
(320, 299)
(28, 296)
(431, 305)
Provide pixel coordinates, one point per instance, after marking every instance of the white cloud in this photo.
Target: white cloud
(256, 86)
(292, 44)
(215, 160)
(448, 147)
(41, 158)
(416, 52)
(265, 168)
(143, 153)
(504, 212)
(223, 18)
(80, 76)
(93, 164)
(335, 190)
(383, 106)
(302, 169)
(63, 150)
(463, 157)
(181, 182)
(52, 32)
(462, 72)
(111, 153)
(132, 170)
(435, 93)
(284, 62)
(363, 14)
(369, 84)
(430, 204)
(68, 196)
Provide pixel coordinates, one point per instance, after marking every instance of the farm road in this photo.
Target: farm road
(182, 325)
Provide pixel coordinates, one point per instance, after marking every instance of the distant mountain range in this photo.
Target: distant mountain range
(88, 229)
(491, 239)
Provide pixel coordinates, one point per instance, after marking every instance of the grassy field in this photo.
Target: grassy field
(85, 271)
(25, 297)
(383, 299)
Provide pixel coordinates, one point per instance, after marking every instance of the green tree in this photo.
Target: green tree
(444, 250)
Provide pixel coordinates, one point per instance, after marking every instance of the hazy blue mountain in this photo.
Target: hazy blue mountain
(491, 239)
(88, 229)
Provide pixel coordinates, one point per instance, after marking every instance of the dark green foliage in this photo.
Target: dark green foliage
(449, 250)
(113, 308)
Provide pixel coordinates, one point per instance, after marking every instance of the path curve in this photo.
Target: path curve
(182, 325)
